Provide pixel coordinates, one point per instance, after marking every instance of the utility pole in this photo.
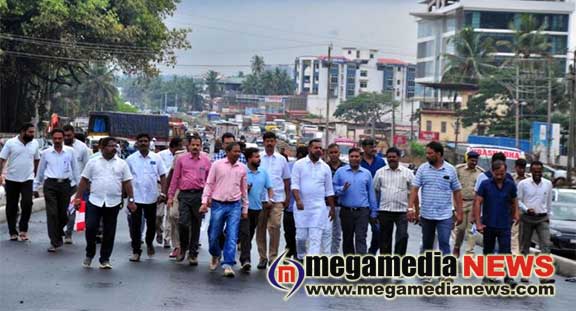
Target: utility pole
(572, 128)
(329, 65)
(549, 117)
(165, 102)
(393, 123)
(412, 118)
(517, 102)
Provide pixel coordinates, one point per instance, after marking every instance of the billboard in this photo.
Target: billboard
(428, 136)
(540, 141)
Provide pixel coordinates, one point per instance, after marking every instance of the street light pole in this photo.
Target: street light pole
(328, 97)
(549, 117)
(517, 102)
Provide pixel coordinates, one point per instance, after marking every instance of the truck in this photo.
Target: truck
(126, 126)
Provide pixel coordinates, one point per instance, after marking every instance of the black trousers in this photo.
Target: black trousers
(57, 198)
(109, 218)
(290, 234)
(387, 222)
(247, 230)
(190, 221)
(18, 191)
(149, 211)
(354, 229)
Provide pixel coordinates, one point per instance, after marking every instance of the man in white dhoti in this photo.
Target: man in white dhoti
(312, 189)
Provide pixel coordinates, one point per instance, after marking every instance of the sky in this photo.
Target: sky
(227, 33)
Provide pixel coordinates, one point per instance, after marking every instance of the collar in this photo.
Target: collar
(349, 168)
(274, 155)
(387, 167)
(144, 157)
(538, 185)
(438, 169)
(233, 165)
(54, 150)
(194, 157)
(257, 171)
(308, 160)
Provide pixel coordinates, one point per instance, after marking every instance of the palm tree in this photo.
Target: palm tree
(211, 79)
(472, 57)
(97, 89)
(528, 41)
(257, 65)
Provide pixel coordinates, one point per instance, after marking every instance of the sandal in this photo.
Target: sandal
(23, 236)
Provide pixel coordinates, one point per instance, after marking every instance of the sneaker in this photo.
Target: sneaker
(166, 243)
(547, 281)
(23, 236)
(175, 253)
(246, 267)
(193, 260)
(214, 263)
(68, 239)
(150, 250)
(229, 273)
(87, 262)
(525, 280)
(447, 279)
(159, 238)
(51, 249)
(135, 258)
(14, 237)
(105, 265)
(262, 264)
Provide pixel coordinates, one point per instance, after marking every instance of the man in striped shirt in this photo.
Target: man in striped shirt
(440, 187)
(227, 138)
(392, 185)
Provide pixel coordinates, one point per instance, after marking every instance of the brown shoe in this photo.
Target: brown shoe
(214, 263)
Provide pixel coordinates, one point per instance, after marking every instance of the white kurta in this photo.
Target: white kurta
(314, 181)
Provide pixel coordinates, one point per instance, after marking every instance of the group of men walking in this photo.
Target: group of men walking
(323, 204)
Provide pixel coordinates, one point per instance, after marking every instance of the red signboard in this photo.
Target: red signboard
(400, 140)
(428, 136)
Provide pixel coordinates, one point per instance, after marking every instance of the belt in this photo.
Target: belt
(192, 190)
(353, 208)
(467, 200)
(541, 214)
(226, 202)
(58, 180)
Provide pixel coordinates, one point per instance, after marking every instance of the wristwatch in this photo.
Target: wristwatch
(130, 200)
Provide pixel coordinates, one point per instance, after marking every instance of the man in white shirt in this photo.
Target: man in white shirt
(22, 155)
(392, 185)
(82, 154)
(535, 194)
(57, 171)
(312, 187)
(108, 175)
(146, 168)
(163, 228)
(270, 218)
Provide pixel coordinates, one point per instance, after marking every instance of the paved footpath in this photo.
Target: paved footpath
(32, 279)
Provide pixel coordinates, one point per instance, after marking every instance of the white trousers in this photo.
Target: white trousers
(319, 241)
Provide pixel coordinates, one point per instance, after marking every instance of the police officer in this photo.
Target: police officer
(467, 174)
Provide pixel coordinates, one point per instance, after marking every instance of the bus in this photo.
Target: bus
(486, 152)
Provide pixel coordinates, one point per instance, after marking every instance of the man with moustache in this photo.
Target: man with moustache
(335, 163)
(22, 154)
(227, 138)
(312, 188)
(82, 154)
(146, 168)
(189, 179)
(260, 191)
(57, 171)
(108, 176)
(356, 196)
(226, 194)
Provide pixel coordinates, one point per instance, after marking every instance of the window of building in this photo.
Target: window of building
(443, 127)
(363, 73)
(425, 49)
(429, 125)
(349, 52)
(425, 69)
(371, 56)
(397, 93)
(357, 54)
(363, 84)
(399, 69)
(398, 82)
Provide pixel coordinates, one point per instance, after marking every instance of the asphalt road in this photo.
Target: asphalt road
(32, 279)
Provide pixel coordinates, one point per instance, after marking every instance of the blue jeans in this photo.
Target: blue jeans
(429, 229)
(229, 214)
(504, 237)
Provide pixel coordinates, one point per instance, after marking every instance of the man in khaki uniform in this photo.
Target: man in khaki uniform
(519, 175)
(467, 174)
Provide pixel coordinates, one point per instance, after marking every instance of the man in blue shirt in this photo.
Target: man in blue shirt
(258, 184)
(440, 190)
(357, 199)
(498, 198)
(288, 220)
(372, 163)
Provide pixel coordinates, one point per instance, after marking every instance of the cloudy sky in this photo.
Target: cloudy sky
(226, 33)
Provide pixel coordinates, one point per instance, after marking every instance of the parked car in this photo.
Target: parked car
(562, 221)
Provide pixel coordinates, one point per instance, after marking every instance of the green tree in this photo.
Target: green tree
(211, 78)
(98, 91)
(472, 57)
(257, 65)
(366, 108)
(124, 107)
(51, 42)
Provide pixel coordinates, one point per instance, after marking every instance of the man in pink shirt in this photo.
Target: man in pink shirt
(189, 176)
(226, 193)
